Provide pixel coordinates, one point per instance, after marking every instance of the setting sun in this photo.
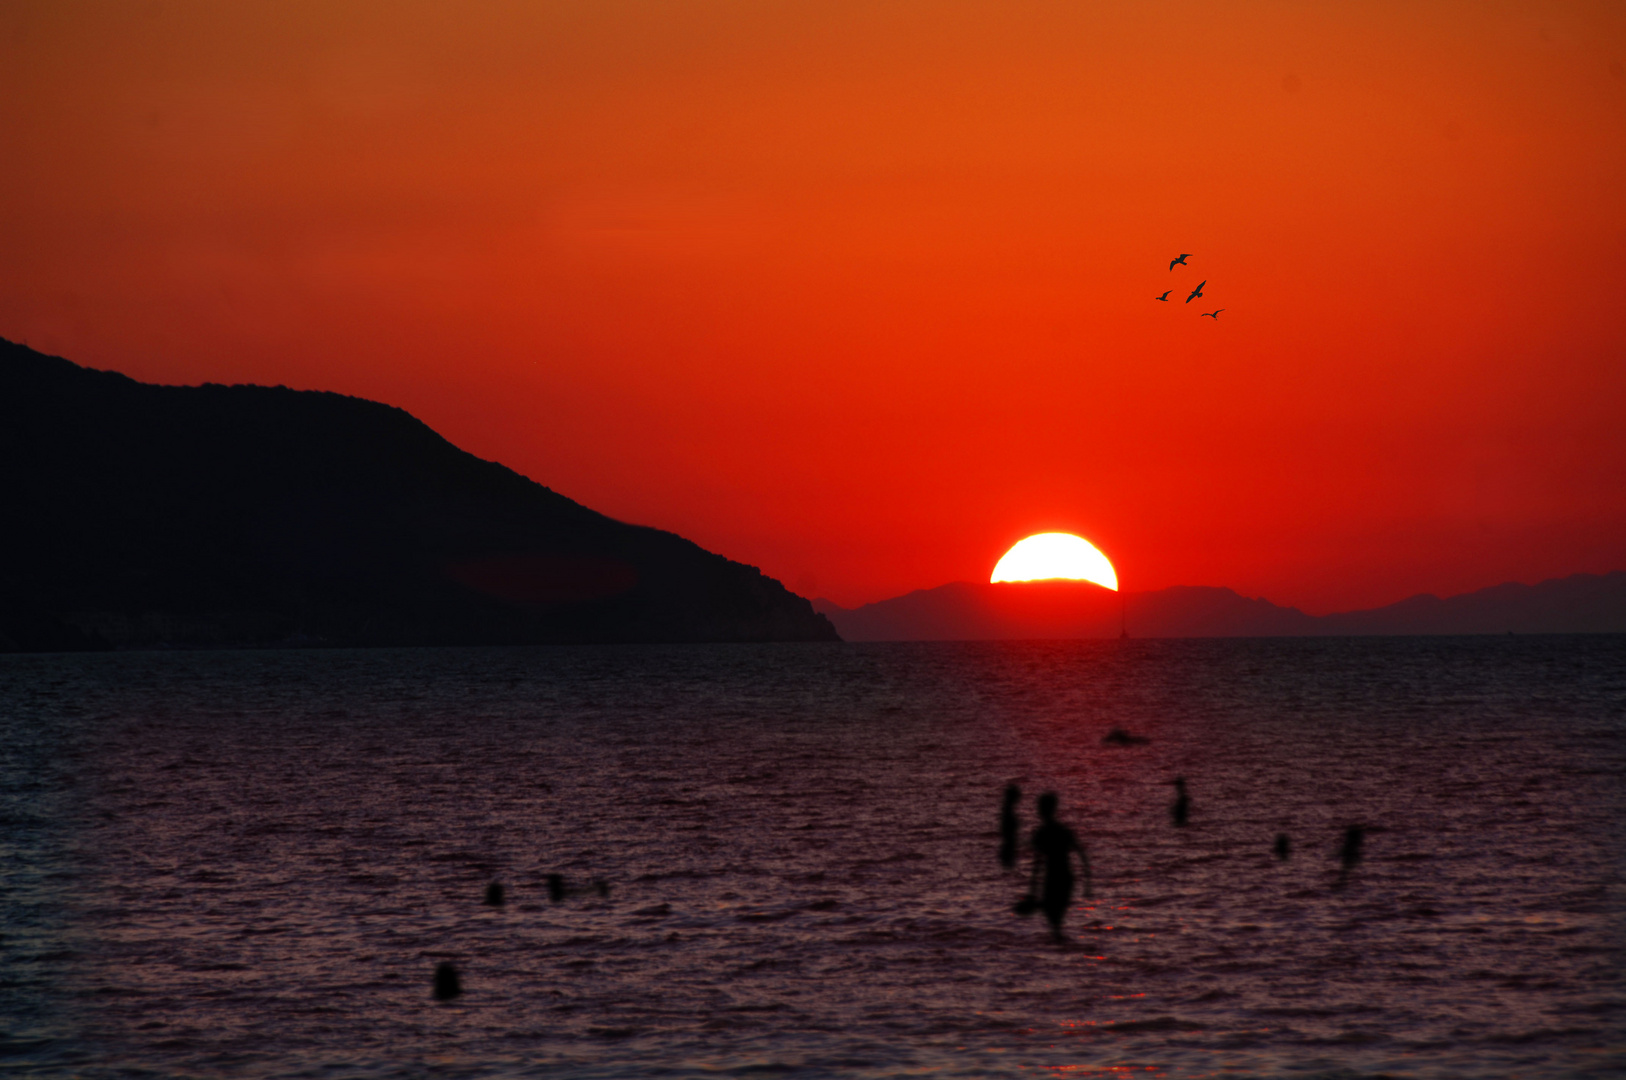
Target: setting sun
(1055, 555)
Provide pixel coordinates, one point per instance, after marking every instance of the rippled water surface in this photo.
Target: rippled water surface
(249, 864)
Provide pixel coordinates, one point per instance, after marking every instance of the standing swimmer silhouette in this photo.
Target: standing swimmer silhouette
(1182, 802)
(1010, 827)
(1350, 853)
(1053, 847)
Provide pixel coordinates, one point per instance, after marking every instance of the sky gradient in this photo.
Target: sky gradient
(862, 293)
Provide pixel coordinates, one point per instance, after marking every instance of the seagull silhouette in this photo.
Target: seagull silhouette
(1198, 291)
(1213, 314)
(1181, 261)
(1165, 295)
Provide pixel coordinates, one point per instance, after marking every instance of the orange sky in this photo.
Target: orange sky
(862, 293)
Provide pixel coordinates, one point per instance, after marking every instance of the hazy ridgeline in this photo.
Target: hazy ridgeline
(251, 864)
(144, 516)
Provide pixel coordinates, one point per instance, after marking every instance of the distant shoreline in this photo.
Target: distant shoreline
(1061, 610)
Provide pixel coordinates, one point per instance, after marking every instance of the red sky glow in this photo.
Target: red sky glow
(863, 293)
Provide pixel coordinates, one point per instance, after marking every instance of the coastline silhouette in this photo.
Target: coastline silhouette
(360, 554)
(965, 610)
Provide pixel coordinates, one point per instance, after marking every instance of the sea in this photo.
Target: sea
(781, 860)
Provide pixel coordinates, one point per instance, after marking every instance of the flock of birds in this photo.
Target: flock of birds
(1198, 291)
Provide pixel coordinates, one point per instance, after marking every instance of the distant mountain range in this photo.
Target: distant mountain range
(214, 516)
(150, 516)
(966, 611)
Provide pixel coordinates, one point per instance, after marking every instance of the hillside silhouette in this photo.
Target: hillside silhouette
(968, 611)
(148, 516)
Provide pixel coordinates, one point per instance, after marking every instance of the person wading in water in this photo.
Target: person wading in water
(1053, 847)
(1010, 828)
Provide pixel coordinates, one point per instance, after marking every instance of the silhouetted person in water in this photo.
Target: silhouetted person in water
(1119, 737)
(447, 984)
(1010, 827)
(559, 888)
(1284, 846)
(1181, 810)
(1053, 847)
(494, 894)
(1349, 855)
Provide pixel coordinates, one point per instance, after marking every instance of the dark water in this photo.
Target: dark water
(249, 864)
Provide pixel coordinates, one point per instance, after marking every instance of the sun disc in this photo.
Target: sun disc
(1055, 555)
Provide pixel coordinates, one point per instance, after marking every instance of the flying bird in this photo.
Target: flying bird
(1181, 261)
(1198, 291)
(1165, 295)
(1213, 314)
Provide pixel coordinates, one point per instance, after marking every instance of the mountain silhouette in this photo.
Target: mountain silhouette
(966, 611)
(140, 515)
